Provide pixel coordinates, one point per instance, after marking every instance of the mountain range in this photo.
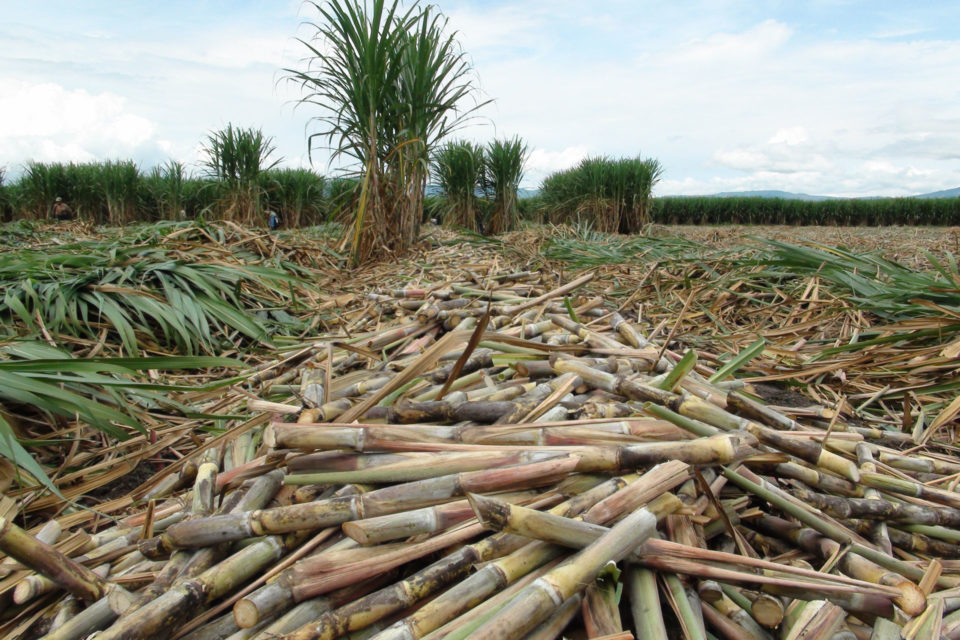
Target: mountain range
(433, 190)
(786, 195)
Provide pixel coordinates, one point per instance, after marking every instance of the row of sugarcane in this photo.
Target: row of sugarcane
(839, 211)
(491, 458)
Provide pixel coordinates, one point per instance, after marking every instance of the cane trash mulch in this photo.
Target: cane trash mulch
(491, 452)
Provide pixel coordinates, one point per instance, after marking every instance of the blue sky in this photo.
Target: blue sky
(844, 98)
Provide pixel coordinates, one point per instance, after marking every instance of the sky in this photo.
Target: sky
(844, 97)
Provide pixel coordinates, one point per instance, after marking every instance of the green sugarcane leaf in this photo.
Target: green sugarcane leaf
(13, 451)
(570, 311)
(53, 399)
(236, 319)
(120, 323)
(17, 307)
(684, 366)
(739, 361)
(115, 365)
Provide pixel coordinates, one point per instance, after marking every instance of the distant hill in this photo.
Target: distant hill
(946, 193)
(785, 195)
(527, 193)
(435, 190)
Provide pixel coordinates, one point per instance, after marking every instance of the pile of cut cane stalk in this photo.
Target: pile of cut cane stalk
(489, 459)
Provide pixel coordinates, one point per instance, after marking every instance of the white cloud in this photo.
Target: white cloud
(233, 49)
(881, 166)
(790, 136)
(543, 161)
(496, 27)
(898, 33)
(786, 152)
(854, 179)
(46, 122)
(724, 48)
(728, 95)
(743, 159)
(50, 151)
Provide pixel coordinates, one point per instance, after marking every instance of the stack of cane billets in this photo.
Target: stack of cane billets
(493, 459)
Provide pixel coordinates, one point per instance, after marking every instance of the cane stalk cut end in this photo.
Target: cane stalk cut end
(493, 514)
(912, 601)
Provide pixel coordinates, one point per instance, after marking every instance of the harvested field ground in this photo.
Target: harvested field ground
(653, 381)
(898, 243)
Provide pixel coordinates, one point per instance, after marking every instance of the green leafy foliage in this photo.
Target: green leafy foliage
(388, 84)
(845, 212)
(503, 166)
(164, 192)
(884, 287)
(120, 183)
(237, 158)
(171, 287)
(297, 195)
(117, 193)
(145, 295)
(613, 195)
(6, 210)
(458, 168)
(105, 393)
(463, 169)
(582, 246)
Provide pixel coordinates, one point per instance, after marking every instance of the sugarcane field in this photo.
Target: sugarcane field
(411, 373)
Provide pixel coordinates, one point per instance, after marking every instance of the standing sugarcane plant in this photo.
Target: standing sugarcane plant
(598, 200)
(298, 195)
(236, 158)
(163, 191)
(458, 169)
(120, 182)
(504, 171)
(4, 199)
(639, 177)
(41, 184)
(613, 195)
(390, 84)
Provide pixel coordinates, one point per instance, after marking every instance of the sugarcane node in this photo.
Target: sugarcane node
(47, 561)
(587, 424)
(209, 531)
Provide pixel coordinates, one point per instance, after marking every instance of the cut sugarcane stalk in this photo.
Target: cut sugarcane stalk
(538, 601)
(335, 511)
(80, 582)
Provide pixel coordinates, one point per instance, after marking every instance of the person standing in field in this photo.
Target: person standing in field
(61, 210)
(273, 220)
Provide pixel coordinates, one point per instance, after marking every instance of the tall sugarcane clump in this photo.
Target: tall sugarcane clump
(496, 457)
(504, 162)
(389, 84)
(459, 171)
(613, 195)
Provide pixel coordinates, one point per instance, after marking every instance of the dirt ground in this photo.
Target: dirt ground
(904, 244)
